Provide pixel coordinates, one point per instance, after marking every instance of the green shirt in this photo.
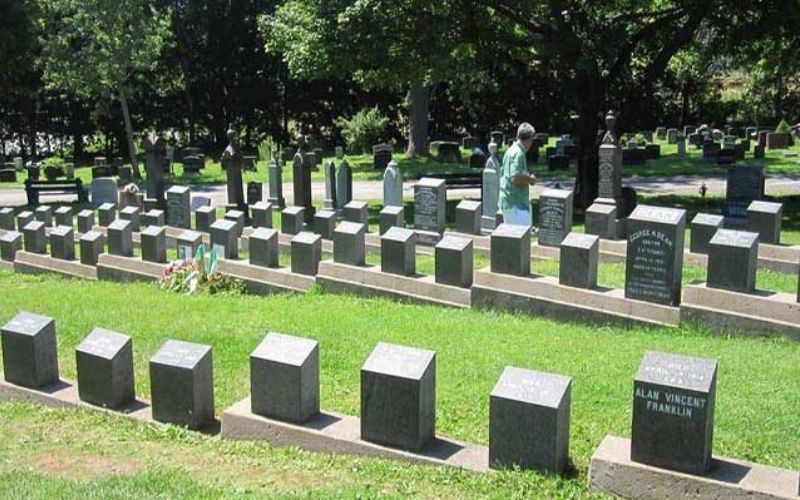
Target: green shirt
(514, 164)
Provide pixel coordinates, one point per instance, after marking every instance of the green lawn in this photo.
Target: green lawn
(49, 453)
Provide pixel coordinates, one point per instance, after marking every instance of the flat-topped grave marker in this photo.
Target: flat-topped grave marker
(7, 219)
(511, 250)
(578, 260)
(284, 378)
(703, 228)
(673, 412)
(35, 237)
(85, 221)
(764, 218)
(45, 214)
(732, 259)
(154, 217)
(398, 396)
(154, 244)
(62, 243)
(261, 214)
(131, 214)
(468, 217)
(224, 234)
(349, 244)
(529, 414)
(23, 219)
(430, 199)
(306, 251)
(63, 216)
(30, 354)
(238, 217)
(325, 223)
(204, 217)
(120, 238)
(555, 216)
(398, 251)
(106, 214)
(104, 361)
(182, 384)
(91, 244)
(391, 217)
(453, 261)
(10, 243)
(179, 208)
(264, 247)
(601, 219)
(655, 254)
(292, 219)
(187, 244)
(356, 211)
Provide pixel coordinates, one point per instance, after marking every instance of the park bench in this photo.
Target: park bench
(458, 180)
(35, 186)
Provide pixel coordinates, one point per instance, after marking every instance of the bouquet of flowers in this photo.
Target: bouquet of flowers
(198, 274)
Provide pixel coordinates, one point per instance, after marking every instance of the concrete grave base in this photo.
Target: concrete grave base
(6, 266)
(334, 433)
(371, 282)
(612, 472)
(544, 296)
(126, 269)
(723, 311)
(33, 263)
(266, 280)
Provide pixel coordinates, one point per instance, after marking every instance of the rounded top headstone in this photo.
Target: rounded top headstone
(339, 152)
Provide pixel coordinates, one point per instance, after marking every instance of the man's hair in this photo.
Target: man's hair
(525, 131)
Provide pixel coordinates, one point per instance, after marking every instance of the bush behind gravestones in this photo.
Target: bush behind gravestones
(364, 129)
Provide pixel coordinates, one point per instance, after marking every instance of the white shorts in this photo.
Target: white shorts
(517, 217)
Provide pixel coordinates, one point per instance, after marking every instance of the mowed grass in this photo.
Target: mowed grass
(75, 453)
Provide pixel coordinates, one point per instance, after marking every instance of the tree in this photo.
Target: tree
(100, 49)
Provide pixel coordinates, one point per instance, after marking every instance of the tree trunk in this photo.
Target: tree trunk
(418, 121)
(684, 105)
(126, 115)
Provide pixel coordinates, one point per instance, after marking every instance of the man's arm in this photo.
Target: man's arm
(520, 176)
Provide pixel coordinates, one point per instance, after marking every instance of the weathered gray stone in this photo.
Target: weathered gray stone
(10, 243)
(398, 397)
(398, 251)
(601, 219)
(391, 217)
(344, 183)
(85, 221)
(490, 194)
(104, 361)
(430, 199)
(91, 243)
(673, 412)
(154, 244)
(30, 354)
(261, 213)
(106, 214)
(23, 218)
(284, 378)
(238, 217)
(529, 415)
(468, 217)
(63, 216)
(511, 250)
(292, 219)
(224, 238)
(330, 186)
(325, 223)
(655, 254)
(45, 214)
(392, 185)
(104, 190)
(453, 261)
(764, 218)
(35, 237)
(179, 207)
(356, 211)
(275, 174)
(349, 244)
(182, 384)
(555, 216)
(62, 243)
(703, 228)
(204, 217)
(187, 244)
(306, 250)
(131, 214)
(609, 185)
(578, 260)
(732, 259)
(7, 219)
(264, 247)
(154, 217)
(120, 238)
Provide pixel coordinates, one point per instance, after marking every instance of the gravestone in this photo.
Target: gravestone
(661, 133)
(306, 251)
(179, 211)
(529, 416)
(292, 220)
(7, 219)
(91, 243)
(398, 252)
(63, 216)
(477, 158)
(204, 217)
(182, 384)
(261, 213)
(764, 218)
(254, 193)
(490, 192)
(711, 151)
(232, 164)
(681, 148)
(356, 211)
(498, 137)
(23, 219)
(703, 227)
(654, 262)
(673, 412)
(199, 201)
(284, 378)
(453, 261)
(154, 244)
(35, 237)
(120, 238)
(609, 185)
(45, 214)
(601, 219)
(154, 217)
(555, 216)
(10, 243)
(468, 217)
(104, 361)
(430, 199)
(330, 186)
(578, 260)
(264, 247)
(344, 181)
(104, 190)
(224, 234)
(392, 185)
(238, 217)
(511, 250)
(391, 217)
(381, 156)
(275, 172)
(187, 243)
(30, 355)
(744, 184)
(154, 155)
(85, 221)
(758, 152)
(349, 244)
(672, 136)
(106, 214)
(398, 397)
(325, 223)
(301, 179)
(62, 243)
(732, 259)
(449, 152)
(469, 142)
(131, 214)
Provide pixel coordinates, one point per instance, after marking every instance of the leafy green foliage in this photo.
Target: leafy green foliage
(783, 128)
(364, 129)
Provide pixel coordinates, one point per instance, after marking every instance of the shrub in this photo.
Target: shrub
(265, 149)
(783, 128)
(53, 168)
(364, 129)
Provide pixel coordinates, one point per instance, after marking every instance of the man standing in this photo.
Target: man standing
(515, 180)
